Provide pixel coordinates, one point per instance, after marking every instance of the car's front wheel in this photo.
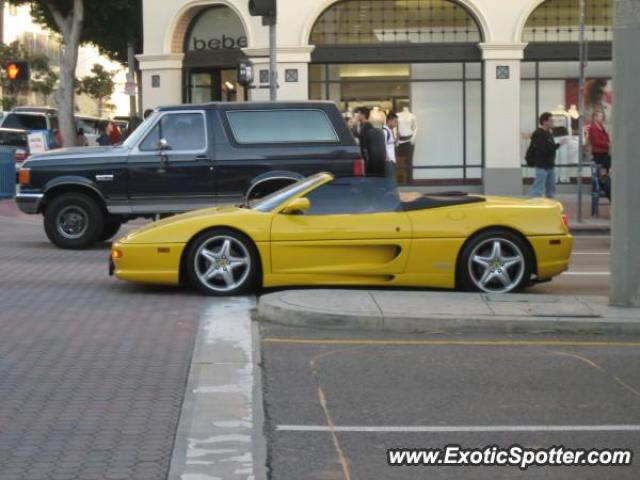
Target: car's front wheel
(495, 262)
(73, 220)
(223, 262)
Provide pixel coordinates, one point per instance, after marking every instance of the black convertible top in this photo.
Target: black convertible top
(440, 200)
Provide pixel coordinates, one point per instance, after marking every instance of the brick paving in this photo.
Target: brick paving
(92, 370)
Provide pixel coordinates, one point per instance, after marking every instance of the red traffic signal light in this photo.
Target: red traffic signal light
(17, 71)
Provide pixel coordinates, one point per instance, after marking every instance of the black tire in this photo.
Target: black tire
(111, 227)
(65, 232)
(512, 246)
(241, 247)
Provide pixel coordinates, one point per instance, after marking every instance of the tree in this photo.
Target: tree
(43, 79)
(111, 25)
(99, 86)
(67, 18)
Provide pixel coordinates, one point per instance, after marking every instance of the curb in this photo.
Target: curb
(271, 309)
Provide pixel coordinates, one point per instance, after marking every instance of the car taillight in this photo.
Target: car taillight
(24, 176)
(20, 155)
(565, 221)
(358, 167)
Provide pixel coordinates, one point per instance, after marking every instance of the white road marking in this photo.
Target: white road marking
(588, 274)
(589, 237)
(460, 429)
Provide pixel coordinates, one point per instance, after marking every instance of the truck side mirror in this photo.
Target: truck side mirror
(163, 145)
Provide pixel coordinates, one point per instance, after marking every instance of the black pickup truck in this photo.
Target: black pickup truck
(182, 158)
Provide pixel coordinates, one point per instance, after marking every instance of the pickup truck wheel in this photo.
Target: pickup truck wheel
(223, 262)
(111, 227)
(73, 221)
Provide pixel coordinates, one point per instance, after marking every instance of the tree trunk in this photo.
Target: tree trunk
(71, 28)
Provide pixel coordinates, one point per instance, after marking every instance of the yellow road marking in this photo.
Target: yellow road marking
(593, 364)
(331, 425)
(470, 343)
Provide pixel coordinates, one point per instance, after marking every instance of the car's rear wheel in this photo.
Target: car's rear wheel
(223, 262)
(73, 221)
(495, 261)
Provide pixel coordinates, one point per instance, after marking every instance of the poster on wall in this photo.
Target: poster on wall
(598, 95)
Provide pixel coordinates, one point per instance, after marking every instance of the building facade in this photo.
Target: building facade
(470, 76)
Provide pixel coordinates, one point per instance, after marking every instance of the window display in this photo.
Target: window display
(439, 108)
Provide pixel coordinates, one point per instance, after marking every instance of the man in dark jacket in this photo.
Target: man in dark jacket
(362, 114)
(544, 150)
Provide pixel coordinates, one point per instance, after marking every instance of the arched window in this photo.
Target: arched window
(369, 22)
(559, 21)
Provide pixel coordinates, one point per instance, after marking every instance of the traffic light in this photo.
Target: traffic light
(267, 9)
(17, 71)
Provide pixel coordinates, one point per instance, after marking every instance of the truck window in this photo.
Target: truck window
(281, 126)
(25, 121)
(182, 131)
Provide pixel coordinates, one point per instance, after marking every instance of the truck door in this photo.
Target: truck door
(171, 169)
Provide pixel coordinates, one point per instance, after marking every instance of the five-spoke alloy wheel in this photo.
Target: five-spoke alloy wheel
(222, 262)
(495, 262)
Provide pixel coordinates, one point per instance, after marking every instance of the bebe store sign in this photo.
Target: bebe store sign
(217, 28)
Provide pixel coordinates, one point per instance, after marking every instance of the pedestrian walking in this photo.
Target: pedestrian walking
(362, 115)
(542, 154)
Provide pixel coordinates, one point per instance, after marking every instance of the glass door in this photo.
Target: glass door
(204, 86)
(214, 85)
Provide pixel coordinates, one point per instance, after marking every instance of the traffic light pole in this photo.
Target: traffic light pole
(273, 65)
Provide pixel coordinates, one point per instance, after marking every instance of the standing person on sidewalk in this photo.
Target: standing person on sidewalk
(600, 145)
(543, 149)
(390, 142)
(362, 115)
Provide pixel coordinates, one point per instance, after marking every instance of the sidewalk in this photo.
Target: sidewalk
(450, 312)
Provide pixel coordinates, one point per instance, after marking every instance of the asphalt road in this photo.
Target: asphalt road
(588, 272)
(92, 375)
(455, 388)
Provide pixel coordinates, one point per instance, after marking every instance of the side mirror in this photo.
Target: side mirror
(163, 145)
(298, 205)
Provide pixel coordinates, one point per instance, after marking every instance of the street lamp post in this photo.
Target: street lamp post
(625, 224)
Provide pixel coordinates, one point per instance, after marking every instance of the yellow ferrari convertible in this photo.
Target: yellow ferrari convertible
(355, 231)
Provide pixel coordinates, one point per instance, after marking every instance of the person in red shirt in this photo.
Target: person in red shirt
(600, 141)
(114, 134)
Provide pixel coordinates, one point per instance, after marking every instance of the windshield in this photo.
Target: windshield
(139, 132)
(270, 202)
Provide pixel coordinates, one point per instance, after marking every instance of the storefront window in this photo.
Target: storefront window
(553, 87)
(440, 108)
